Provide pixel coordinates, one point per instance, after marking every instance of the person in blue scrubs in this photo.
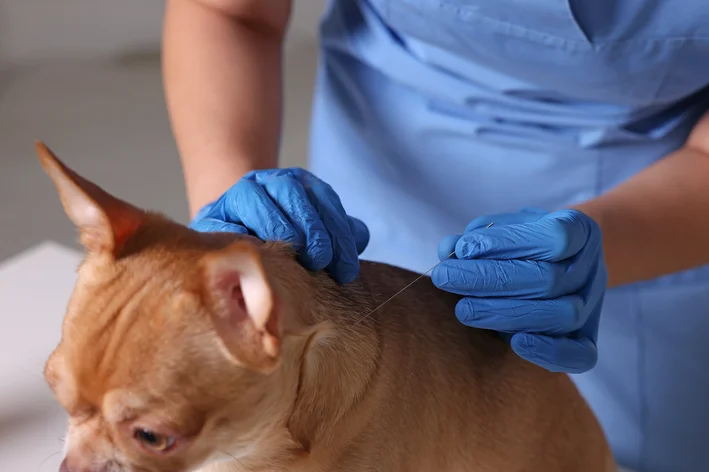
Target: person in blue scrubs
(574, 126)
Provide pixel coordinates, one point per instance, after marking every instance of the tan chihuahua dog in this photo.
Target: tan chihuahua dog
(185, 351)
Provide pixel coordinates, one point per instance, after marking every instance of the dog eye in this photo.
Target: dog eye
(153, 441)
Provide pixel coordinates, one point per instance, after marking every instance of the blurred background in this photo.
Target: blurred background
(84, 77)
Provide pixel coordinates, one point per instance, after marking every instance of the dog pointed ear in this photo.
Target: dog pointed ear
(243, 305)
(104, 222)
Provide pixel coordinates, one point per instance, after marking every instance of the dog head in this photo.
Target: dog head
(172, 342)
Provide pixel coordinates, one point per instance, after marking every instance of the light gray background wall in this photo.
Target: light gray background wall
(84, 76)
(56, 30)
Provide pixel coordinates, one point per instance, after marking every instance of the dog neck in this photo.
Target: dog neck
(330, 361)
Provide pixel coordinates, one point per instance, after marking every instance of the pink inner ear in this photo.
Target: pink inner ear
(229, 284)
(237, 297)
(242, 305)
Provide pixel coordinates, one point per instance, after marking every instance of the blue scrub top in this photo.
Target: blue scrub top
(429, 113)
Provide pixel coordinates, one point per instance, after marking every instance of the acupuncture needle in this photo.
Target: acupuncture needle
(407, 286)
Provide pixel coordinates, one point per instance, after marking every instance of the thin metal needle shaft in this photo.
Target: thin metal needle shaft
(409, 285)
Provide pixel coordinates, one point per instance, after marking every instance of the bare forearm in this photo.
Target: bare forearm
(222, 80)
(657, 222)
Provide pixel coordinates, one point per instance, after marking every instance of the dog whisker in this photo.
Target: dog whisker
(48, 457)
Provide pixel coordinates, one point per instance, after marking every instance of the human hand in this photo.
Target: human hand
(538, 278)
(291, 205)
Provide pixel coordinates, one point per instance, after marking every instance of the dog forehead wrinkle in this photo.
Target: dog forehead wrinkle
(112, 320)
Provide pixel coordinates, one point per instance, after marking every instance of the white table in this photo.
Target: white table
(35, 287)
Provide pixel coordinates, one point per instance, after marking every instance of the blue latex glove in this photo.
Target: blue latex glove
(538, 278)
(291, 205)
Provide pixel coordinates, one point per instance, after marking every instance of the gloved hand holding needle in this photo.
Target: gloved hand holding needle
(538, 277)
